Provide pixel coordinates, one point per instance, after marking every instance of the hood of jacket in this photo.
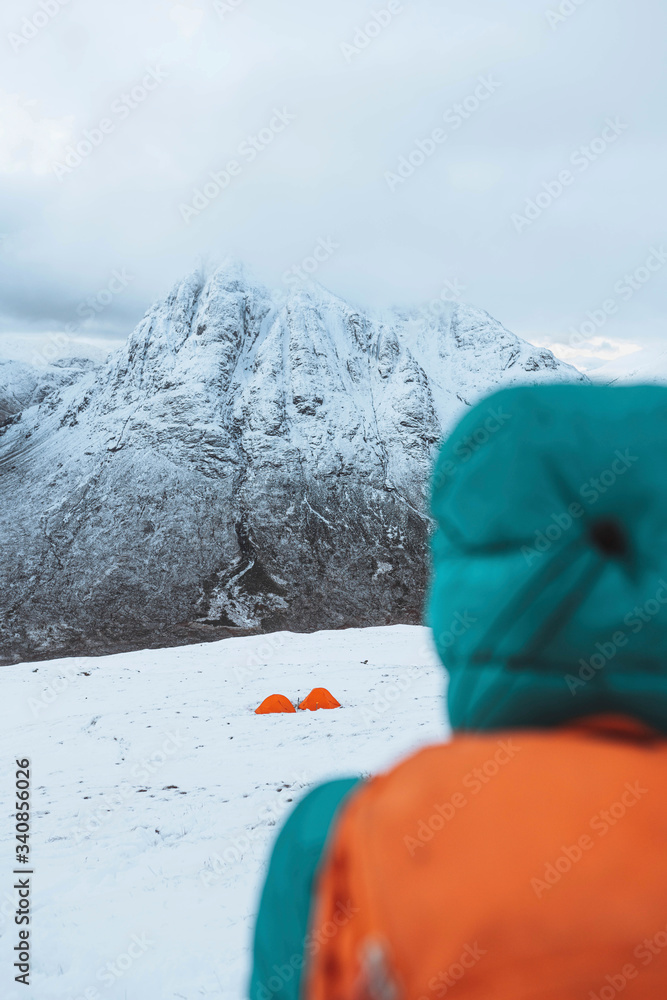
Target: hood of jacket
(548, 597)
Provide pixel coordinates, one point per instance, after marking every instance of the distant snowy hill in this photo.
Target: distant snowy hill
(648, 365)
(242, 463)
(24, 385)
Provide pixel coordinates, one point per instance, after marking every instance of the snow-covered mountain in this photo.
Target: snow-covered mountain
(245, 462)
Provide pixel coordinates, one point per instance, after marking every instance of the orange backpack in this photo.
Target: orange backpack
(503, 866)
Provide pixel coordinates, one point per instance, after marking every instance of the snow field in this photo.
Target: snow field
(157, 792)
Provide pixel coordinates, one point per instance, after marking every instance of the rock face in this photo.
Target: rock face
(243, 463)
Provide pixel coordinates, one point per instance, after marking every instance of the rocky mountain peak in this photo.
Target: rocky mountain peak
(248, 460)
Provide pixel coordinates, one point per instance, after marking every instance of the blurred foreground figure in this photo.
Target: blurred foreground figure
(527, 857)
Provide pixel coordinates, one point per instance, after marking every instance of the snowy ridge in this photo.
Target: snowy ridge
(24, 385)
(243, 462)
(647, 366)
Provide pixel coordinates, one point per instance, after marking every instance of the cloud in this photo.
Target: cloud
(29, 142)
(590, 353)
(49, 345)
(187, 19)
(450, 220)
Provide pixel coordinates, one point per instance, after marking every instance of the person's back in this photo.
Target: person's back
(510, 865)
(524, 858)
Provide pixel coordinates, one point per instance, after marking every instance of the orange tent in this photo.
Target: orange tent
(275, 703)
(319, 698)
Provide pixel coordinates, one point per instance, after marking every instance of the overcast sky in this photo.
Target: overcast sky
(316, 105)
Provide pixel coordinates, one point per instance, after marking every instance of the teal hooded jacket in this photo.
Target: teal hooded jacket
(548, 599)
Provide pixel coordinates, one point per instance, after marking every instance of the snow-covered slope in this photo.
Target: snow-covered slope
(648, 366)
(243, 462)
(157, 793)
